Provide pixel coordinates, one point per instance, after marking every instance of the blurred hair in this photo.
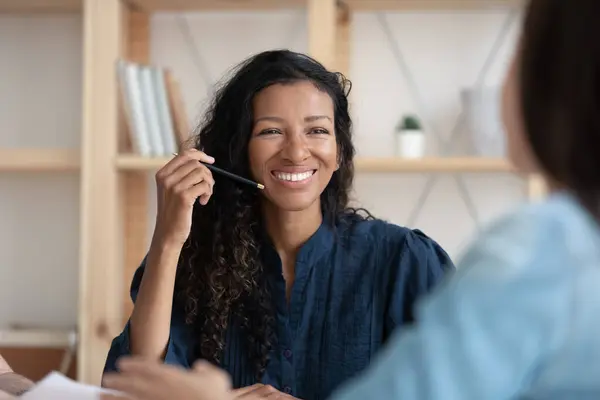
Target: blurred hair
(559, 74)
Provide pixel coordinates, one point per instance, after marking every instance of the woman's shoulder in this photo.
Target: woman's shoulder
(390, 240)
(544, 235)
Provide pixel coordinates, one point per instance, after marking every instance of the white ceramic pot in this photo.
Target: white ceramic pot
(410, 144)
(481, 107)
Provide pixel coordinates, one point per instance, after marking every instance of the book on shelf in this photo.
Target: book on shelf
(153, 109)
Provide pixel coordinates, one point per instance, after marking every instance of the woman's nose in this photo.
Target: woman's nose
(296, 148)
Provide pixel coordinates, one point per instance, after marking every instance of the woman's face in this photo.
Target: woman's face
(519, 150)
(292, 150)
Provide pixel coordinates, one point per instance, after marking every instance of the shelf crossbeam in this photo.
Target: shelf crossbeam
(38, 160)
(45, 338)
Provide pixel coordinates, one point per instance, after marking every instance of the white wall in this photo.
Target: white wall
(40, 106)
(39, 242)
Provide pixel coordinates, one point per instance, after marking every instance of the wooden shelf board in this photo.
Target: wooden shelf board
(44, 6)
(381, 165)
(132, 162)
(38, 160)
(358, 5)
(434, 164)
(216, 5)
(39, 6)
(382, 5)
(37, 338)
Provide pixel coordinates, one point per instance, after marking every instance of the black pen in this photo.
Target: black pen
(235, 177)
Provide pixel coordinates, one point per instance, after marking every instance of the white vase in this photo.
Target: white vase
(481, 107)
(410, 144)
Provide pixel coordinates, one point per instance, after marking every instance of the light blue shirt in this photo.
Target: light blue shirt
(520, 319)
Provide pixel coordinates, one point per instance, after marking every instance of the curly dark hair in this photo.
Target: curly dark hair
(221, 277)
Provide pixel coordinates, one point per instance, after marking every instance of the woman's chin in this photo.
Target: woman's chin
(293, 202)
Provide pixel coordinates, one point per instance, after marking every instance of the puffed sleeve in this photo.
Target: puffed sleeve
(417, 265)
(180, 339)
(481, 334)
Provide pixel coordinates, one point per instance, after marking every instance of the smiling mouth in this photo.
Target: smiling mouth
(293, 177)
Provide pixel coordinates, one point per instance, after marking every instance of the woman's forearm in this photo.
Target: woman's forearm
(151, 317)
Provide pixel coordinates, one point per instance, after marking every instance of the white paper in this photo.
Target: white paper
(59, 387)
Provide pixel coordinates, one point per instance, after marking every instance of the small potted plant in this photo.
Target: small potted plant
(410, 140)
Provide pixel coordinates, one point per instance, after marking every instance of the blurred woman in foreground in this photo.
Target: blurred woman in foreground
(520, 319)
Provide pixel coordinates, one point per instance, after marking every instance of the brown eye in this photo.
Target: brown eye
(320, 131)
(269, 132)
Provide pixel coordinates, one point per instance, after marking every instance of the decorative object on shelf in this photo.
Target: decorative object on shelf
(481, 110)
(410, 139)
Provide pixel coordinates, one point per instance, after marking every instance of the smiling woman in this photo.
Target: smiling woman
(288, 286)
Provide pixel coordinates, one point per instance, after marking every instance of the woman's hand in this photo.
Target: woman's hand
(260, 391)
(141, 379)
(179, 183)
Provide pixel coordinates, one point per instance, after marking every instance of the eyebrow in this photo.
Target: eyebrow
(311, 118)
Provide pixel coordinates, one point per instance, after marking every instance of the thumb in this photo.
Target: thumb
(201, 365)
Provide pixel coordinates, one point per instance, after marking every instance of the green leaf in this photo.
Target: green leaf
(410, 123)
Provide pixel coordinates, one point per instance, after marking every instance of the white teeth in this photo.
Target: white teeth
(284, 176)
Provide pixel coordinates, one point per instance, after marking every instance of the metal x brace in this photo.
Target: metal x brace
(201, 65)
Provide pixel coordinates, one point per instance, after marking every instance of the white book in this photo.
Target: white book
(132, 100)
(151, 111)
(164, 113)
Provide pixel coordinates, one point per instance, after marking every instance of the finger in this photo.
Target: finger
(202, 191)
(188, 197)
(205, 367)
(136, 386)
(261, 391)
(178, 174)
(201, 365)
(180, 159)
(197, 175)
(197, 155)
(204, 370)
(150, 369)
(110, 396)
(193, 154)
(239, 393)
(267, 391)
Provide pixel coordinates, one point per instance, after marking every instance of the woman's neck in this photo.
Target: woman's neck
(289, 230)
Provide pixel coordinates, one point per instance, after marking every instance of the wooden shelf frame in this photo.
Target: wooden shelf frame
(40, 6)
(45, 338)
(38, 160)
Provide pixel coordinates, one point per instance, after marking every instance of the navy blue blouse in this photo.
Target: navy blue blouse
(354, 284)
